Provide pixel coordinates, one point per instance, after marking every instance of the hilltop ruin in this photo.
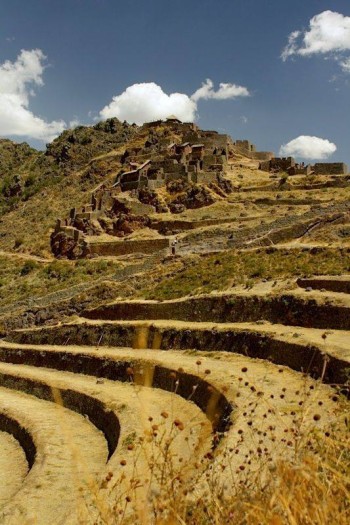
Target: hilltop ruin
(163, 167)
(182, 159)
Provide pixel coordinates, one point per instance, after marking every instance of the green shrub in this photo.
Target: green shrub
(18, 242)
(58, 270)
(28, 267)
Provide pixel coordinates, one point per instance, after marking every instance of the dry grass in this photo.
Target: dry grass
(22, 279)
(308, 485)
(223, 270)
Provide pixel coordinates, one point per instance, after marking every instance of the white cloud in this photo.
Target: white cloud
(16, 86)
(345, 65)
(225, 91)
(145, 102)
(74, 123)
(308, 147)
(328, 34)
(291, 48)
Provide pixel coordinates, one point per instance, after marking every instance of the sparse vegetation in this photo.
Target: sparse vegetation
(29, 278)
(243, 480)
(223, 270)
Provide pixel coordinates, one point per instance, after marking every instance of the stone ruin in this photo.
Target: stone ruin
(288, 165)
(332, 168)
(198, 159)
(109, 212)
(249, 150)
(191, 169)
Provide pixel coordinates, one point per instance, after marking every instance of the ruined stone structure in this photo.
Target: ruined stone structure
(277, 164)
(245, 146)
(198, 163)
(248, 149)
(288, 165)
(194, 157)
(285, 164)
(109, 212)
(134, 179)
(300, 169)
(331, 168)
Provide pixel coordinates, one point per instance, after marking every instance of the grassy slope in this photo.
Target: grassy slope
(224, 270)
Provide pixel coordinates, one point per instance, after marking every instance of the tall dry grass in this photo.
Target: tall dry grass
(308, 485)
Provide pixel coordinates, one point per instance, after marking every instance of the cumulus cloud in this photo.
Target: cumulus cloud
(308, 147)
(328, 34)
(147, 101)
(16, 87)
(144, 102)
(225, 91)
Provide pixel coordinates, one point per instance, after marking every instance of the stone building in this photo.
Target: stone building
(245, 147)
(172, 119)
(199, 162)
(198, 151)
(331, 168)
(288, 165)
(135, 178)
(195, 156)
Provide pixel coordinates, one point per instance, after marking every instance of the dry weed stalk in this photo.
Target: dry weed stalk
(308, 485)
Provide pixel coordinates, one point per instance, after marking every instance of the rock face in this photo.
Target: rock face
(75, 148)
(63, 245)
(194, 196)
(120, 217)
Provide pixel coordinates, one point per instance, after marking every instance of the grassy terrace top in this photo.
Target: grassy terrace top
(234, 267)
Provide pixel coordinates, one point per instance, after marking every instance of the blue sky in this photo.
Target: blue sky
(96, 49)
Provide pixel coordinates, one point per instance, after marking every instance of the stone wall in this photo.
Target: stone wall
(285, 309)
(127, 247)
(283, 163)
(261, 155)
(265, 166)
(249, 150)
(300, 170)
(286, 164)
(205, 177)
(330, 168)
(245, 146)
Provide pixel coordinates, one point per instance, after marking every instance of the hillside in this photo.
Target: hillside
(174, 305)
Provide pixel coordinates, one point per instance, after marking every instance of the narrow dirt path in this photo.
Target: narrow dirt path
(13, 467)
(24, 256)
(70, 451)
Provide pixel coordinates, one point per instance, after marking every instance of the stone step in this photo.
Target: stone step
(339, 284)
(135, 405)
(69, 452)
(68, 393)
(293, 309)
(265, 396)
(317, 352)
(86, 365)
